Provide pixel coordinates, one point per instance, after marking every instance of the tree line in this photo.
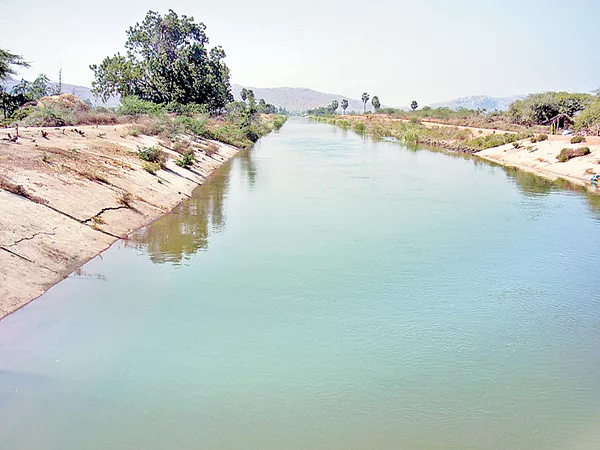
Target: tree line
(333, 106)
(167, 61)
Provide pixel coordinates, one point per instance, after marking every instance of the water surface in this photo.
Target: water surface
(324, 291)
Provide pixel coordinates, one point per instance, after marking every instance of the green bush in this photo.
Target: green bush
(191, 109)
(539, 138)
(278, 122)
(187, 159)
(49, 117)
(132, 106)
(570, 153)
(577, 139)
(151, 167)
(360, 128)
(153, 155)
(590, 117)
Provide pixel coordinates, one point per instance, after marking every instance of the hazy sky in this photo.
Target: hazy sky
(427, 50)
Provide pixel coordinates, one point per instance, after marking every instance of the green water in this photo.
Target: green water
(324, 291)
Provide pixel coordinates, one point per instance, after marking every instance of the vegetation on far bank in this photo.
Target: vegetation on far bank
(415, 132)
(548, 112)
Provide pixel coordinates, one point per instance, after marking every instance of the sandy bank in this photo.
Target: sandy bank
(540, 158)
(62, 199)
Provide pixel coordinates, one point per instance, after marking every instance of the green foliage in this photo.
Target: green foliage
(49, 117)
(539, 108)
(153, 155)
(375, 103)
(365, 99)
(360, 128)
(414, 105)
(577, 139)
(333, 106)
(8, 61)
(132, 105)
(321, 111)
(186, 160)
(344, 105)
(570, 153)
(539, 138)
(167, 60)
(278, 122)
(494, 140)
(41, 87)
(151, 167)
(590, 117)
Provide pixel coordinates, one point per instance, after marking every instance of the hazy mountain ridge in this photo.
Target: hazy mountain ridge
(299, 99)
(479, 102)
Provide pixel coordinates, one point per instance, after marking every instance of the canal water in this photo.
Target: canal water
(324, 291)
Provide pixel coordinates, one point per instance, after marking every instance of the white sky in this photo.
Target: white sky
(426, 50)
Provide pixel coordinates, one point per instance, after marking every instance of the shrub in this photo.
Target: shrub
(151, 167)
(278, 122)
(132, 106)
(125, 198)
(190, 109)
(49, 117)
(539, 138)
(153, 155)
(577, 139)
(570, 153)
(134, 131)
(181, 146)
(187, 159)
(360, 128)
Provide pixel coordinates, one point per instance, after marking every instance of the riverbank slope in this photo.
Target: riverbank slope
(66, 194)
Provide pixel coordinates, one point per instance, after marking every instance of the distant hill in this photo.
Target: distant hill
(82, 92)
(479, 102)
(299, 99)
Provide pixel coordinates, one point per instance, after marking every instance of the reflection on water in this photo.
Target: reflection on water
(530, 184)
(185, 230)
(248, 167)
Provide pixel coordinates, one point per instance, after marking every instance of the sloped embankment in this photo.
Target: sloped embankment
(66, 194)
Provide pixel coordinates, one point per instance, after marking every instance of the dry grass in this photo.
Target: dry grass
(125, 199)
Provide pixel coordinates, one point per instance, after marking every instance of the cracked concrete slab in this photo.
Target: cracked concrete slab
(78, 183)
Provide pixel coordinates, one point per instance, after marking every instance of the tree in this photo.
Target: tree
(334, 105)
(375, 103)
(262, 102)
(7, 62)
(251, 98)
(344, 105)
(365, 99)
(40, 87)
(244, 94)
(413, 105)
(539, 108)
(166, 60)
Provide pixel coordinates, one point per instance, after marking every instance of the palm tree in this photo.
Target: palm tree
(334, 105)
(414, 105)
(375, 103)
(365, 99)
(344, 105)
